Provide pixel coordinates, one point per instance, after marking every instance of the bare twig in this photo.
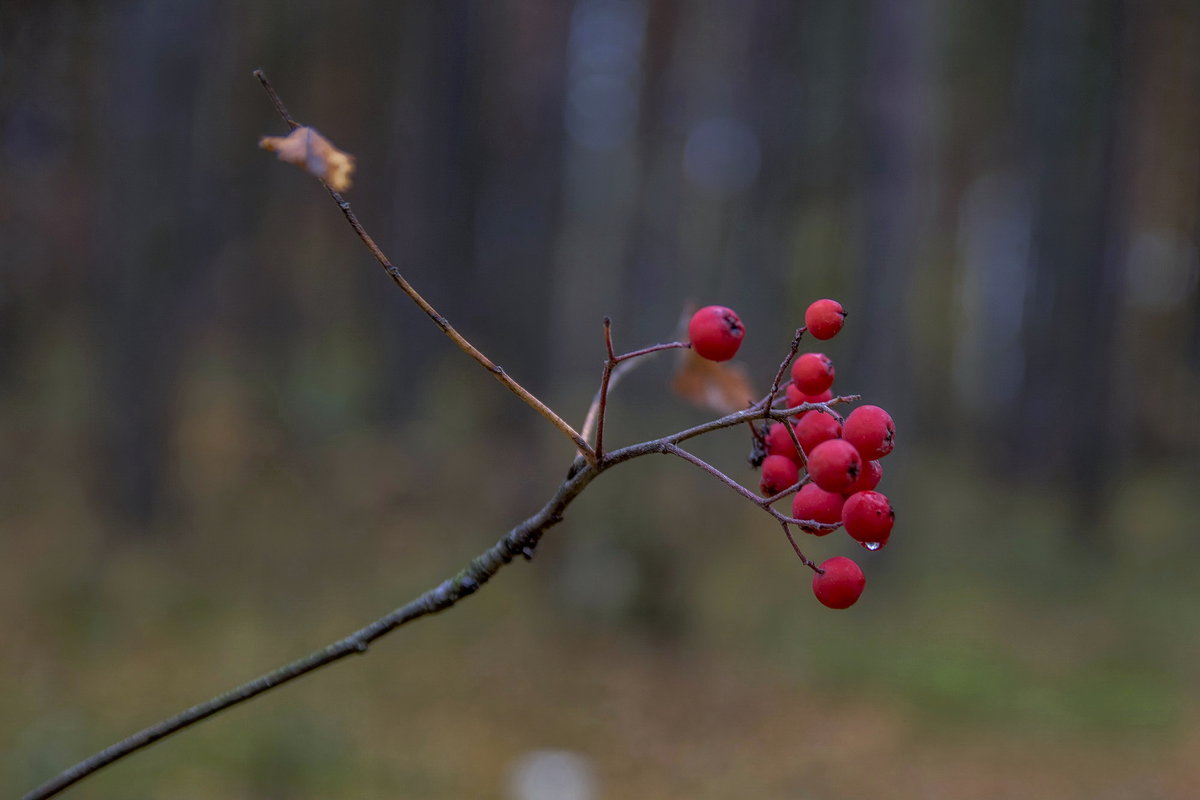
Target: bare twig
(691, 458)
(463, 343)
(765, 503)
(612, 369)
(795, 487)
(807, 562)
(791, 432)
(761, 502)
(792, 350)
(517, 542)
(610, 362)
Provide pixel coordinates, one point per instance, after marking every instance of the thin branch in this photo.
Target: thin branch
(793, 348)
(276, 100)
(612, 365)
(758, 437)
(620, 365)
(658, 348)
(676, 450)
(795, 487)
(520, 541)
(610, 362)
(805, 559)
(811, 524)
(762, 502)
(463, 343)
(791, 432)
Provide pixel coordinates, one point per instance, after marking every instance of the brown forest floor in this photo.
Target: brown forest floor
(978, 686)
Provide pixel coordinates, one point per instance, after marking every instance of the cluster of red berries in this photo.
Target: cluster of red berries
(833, 475)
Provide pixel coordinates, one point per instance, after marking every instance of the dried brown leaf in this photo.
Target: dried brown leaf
(722, 387)
(306, 148)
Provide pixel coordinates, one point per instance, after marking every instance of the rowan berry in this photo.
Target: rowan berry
(871, 430)
(813, 373)
(716, 333)
(840, 582)
(868, 478)
(779, 442)
(824, 318)
(834, 465)
(868, 517)
(795, 397)
(817, 427)
(778, 473)
(814, 504)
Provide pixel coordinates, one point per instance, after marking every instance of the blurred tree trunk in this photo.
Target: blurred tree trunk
(162, 209)
(433, 154)
(897, 110)
(1074, 60)
(652, 264)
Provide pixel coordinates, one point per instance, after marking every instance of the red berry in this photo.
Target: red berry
(824, 318)
(795, 397)
(822, 397)
(840, 583)
(779, 443)
(716, 333)
(813, 373)
(868, 478)
(814, 504)
(817, 427)
(871, 430)
(868, 517)
(834, 465)
(778, 473)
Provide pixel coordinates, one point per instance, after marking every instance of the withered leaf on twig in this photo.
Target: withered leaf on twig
(723, 388)
(306, 148)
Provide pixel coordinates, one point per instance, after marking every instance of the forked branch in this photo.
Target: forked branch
(521, 540)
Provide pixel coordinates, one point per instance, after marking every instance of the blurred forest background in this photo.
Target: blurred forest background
(226, 439)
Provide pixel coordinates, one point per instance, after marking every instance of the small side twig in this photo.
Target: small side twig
(614, 367)
(795, 487)
(793, 348)
(791, 431)
(762, 502)
(803, 558)
(610, 362)
(676, 450)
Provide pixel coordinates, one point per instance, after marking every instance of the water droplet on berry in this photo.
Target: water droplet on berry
(872, 546)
